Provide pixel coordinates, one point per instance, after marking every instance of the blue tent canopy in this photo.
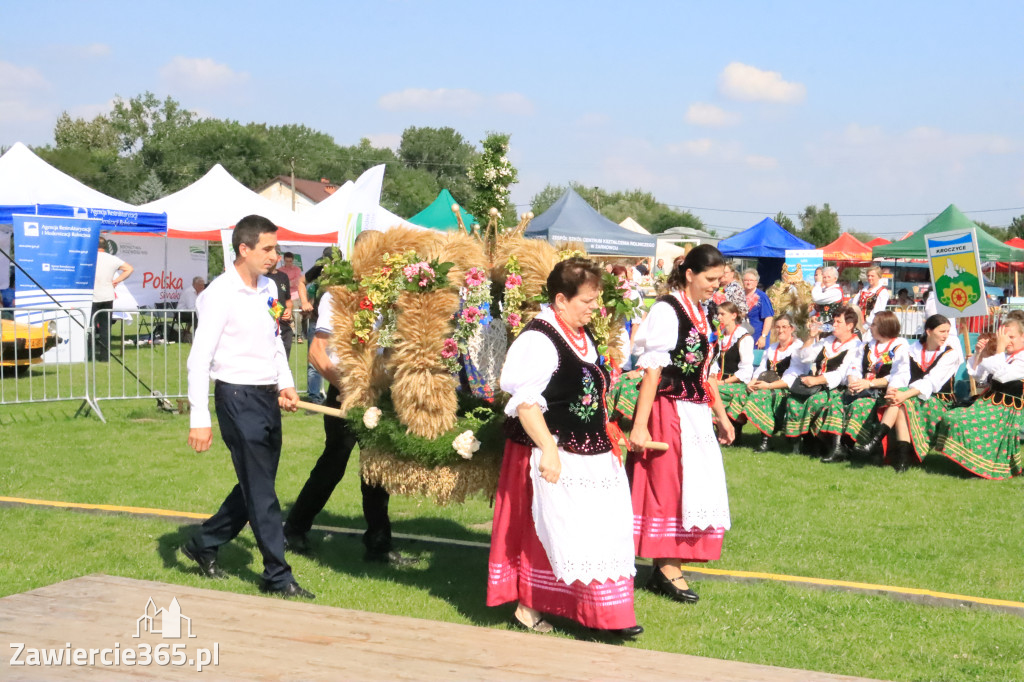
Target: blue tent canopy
(571, 218)
(767, 239)
(114, 220)
(767, 242)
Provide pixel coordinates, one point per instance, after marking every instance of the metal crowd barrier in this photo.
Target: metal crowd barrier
(144, 354)
(42, 357)
(912, 320)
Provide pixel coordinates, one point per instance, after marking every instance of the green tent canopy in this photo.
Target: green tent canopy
(439, 215)
(951, 219)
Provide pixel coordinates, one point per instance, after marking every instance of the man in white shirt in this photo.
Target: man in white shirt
(238, 345)
(110, 271)
(187, 303)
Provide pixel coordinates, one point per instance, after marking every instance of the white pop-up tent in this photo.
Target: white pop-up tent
(217, 201)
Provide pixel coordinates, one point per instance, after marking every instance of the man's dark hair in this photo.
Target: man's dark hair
(102, 244)
(288, 254)
(248, 231)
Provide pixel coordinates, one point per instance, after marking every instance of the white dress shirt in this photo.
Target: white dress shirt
(832, 294)
(107, 266)
(745, 368)
(880, 303)
(777, 354)
(188, 298)
(236, 341)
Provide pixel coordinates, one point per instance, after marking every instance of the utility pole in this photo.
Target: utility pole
(293, 183)
(597, 198)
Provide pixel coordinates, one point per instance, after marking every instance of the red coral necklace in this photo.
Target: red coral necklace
(577, 339)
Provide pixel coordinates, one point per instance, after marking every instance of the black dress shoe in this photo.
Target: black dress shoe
(660, 584)
(837, 453)
(207, 565)
(868, 448)
(621, 633)
(288, 591)
(297, 542)
(763, 447)
(391, 558)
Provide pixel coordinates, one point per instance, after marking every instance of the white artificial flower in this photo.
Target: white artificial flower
(466, 444)
(371, 417)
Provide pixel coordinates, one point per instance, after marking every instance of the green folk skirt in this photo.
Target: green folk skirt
(924, 417)
(807, 415)
(622, 399)
(731, 394)
(853, 417)
(762, 409)
(983, 438)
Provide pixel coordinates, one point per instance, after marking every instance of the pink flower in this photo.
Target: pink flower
(409, 271)
(690, 357)
(587, 399)
(513, 281)
(470, 314)
(451, 349)
(514, 319)
(475, 277)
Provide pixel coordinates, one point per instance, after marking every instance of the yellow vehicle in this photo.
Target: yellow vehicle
(24, 344)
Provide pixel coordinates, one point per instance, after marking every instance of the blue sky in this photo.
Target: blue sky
(875, 107)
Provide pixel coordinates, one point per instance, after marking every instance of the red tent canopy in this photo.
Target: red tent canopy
(878, 241)
(1012, 267)
(848, 249)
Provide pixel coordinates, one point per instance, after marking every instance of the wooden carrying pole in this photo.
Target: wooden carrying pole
(335, 412)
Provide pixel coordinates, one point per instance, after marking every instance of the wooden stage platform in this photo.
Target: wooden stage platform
(264, 638)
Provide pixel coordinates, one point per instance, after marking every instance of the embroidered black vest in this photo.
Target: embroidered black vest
(575, 398)
(867, 304)
(781, 366)
(917, 373)
(731, 359)
(685, 377)
(868, 367)
(823, 364)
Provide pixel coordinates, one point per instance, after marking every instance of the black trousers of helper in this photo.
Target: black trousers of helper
(327, 474)
(250, 423)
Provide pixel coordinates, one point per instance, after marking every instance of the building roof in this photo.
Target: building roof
(314, 190)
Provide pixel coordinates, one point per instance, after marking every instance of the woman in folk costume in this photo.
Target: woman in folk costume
(562, 534)
(827, 297)
(873, 299)
(680, 502)
(883, 361)
(735, 366)
(827, 364)
(985, 437)
(914, 408)
(729, 290)
(764, 403)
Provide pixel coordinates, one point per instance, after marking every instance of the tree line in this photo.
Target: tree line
(146, 148)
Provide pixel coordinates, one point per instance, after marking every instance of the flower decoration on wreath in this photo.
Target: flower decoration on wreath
(400, 272)
(514, 295)
(476, 311)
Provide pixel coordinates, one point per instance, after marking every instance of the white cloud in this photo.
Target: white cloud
(748, 83)
(702, 114)
(91, 111)
(21, 88)
(200, 74)
(458, 99)
(699, 147)
(761, 162)
(95, 50)
(385, 140)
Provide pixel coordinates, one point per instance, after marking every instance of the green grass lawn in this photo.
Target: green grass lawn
(927, 528)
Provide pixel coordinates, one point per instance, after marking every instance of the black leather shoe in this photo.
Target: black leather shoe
(621, 633)
(868, 448)
(660, 584)
(391, 558)
(763, 447)
(289, 591)
(207, 566)
(296, 542)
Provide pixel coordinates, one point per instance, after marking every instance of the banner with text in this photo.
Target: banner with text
(956, 273)
(60, 255)
(163, 267)
(801, 264)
